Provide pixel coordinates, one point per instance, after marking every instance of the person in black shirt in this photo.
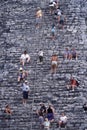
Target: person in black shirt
(41, 113)
(50, 113)
(42, 110)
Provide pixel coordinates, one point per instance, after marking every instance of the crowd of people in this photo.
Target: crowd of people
(70, 54)
(46, 114)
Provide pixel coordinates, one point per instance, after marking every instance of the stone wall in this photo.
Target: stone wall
(17, 33)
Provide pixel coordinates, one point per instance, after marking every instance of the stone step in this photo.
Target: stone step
(19, 17)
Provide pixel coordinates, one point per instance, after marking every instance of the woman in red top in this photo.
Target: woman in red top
(73, 83)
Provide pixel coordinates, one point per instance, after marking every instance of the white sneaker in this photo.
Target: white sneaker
(72, 89)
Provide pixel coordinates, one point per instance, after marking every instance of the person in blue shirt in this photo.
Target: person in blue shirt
(26, 90)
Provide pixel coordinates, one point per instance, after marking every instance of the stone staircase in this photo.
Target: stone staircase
(17, 33)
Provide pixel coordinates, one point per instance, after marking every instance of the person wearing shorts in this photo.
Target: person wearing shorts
(26, 90)
(54, 60)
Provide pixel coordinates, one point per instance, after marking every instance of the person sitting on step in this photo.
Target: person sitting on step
(25, 58)
(46, 124)
(73, 83)
(73, 54)
(50, 113)
(63, 120)
(42, 109)
(41, 112)
(67, 54)
(7, 112)
(40, 54)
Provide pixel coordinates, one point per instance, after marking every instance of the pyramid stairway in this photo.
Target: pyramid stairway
(17, 33)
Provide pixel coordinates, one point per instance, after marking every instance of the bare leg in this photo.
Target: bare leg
(60, 123)
(73, 87)
(18, 78)
(55, 70)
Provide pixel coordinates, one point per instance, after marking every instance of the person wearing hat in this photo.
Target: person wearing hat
(22, 74)
(26, 90)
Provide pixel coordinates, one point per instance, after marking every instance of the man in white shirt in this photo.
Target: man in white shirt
(26, 90)
(24, 58)
(63, 120)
